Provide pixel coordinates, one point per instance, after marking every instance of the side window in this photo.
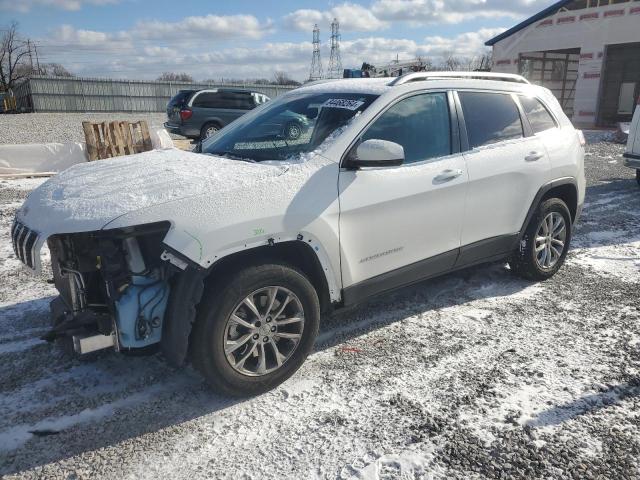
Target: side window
(490, 118)
(420, 124)
(205, 100)
(539, 117)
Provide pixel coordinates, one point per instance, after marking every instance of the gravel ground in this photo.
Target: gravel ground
(474, 375)
(63, 127)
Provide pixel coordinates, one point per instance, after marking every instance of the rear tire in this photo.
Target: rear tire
(543, 248)
(228, 331)
(208, 130)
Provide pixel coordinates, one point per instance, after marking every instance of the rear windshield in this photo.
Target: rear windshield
(181, 98)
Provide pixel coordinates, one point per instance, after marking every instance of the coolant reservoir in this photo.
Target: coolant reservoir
(140, 311)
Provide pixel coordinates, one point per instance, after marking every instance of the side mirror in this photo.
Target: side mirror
(377, 153)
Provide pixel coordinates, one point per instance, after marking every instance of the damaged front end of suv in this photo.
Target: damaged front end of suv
(114, 285)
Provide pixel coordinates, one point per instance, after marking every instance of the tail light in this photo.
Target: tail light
(583, 142)
(185, 114)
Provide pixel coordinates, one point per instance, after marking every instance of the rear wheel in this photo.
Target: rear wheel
(209, 130)
(255, 330)
(544, 246)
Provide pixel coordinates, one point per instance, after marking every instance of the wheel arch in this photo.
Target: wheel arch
(566, 189)
(187, 287)
(298, 254)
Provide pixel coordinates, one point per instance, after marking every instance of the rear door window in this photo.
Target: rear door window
(538, 115)
(490, 118)
(421, 124)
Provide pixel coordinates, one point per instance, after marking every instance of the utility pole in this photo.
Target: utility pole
(30, 57)
(316, 63)
(35, 49)
(335, 62)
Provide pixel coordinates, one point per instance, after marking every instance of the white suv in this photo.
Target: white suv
(229, 256)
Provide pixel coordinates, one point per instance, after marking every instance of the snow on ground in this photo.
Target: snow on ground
(474, 375)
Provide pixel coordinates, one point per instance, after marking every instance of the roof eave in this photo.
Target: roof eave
(538, 16)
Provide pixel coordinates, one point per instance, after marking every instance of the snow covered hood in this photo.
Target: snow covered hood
(87, 196)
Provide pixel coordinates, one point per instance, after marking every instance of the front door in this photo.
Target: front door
(400, 224)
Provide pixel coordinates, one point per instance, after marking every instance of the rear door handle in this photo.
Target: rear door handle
(533, 156)
(448, 175)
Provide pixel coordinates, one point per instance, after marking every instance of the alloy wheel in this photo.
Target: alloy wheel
(263, 331)
(210, 131)
(550, 241)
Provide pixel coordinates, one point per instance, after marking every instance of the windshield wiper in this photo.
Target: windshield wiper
(232, 156)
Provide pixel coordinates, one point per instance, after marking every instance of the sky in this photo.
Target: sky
(246, 39)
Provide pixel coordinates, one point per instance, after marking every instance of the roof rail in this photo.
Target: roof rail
(421, 76)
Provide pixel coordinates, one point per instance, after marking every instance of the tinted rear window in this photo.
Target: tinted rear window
(539, 117)
(490, 118)
(181, 97)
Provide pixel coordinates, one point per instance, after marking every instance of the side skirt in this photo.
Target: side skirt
(489, 250)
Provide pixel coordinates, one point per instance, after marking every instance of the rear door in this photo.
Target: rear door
(506, 164)
(400, 224)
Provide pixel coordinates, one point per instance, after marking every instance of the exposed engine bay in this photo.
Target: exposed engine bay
(114, 287)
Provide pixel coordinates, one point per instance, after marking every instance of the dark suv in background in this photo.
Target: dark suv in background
(201, 113)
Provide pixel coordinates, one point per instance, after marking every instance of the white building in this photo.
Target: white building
(586, 51)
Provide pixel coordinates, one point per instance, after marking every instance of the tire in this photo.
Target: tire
(209, 129)
(528, 263)
(638, 177)
(292, 131)
(215, 326)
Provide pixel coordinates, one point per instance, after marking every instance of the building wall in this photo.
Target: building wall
(590, 30)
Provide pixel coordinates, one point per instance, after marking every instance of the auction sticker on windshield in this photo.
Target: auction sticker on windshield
(343, 103)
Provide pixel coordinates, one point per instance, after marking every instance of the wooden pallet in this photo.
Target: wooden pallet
(114, 139)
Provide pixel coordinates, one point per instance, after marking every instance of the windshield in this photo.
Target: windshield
(287, 127)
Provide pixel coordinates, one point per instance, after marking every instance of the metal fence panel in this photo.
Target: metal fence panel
(61, 94)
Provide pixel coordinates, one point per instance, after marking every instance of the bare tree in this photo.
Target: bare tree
(55, 70)
(281, 78)
(451, 63)
(175, 77)
(13, 55)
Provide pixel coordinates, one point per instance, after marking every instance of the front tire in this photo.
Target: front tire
(543, 248)
(255, 329)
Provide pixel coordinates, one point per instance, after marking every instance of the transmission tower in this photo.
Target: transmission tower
(335, 62)
(316, 63)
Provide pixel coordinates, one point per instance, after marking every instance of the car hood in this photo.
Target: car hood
(88, 196)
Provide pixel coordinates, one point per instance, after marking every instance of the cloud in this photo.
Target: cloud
(352, 17)
(211, 27)
(424, 12)
(25, 6)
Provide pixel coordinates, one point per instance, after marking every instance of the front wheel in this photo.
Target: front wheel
(293, 131)
(545, 243)
(255, 329)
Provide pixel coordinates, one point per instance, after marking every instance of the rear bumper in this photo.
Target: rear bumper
(631, 160)
(177, 129)
(184, 130)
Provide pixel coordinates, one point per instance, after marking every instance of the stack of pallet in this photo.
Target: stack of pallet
(114, 139)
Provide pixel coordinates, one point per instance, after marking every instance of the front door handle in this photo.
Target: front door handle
(533, 156)
(448, 175)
